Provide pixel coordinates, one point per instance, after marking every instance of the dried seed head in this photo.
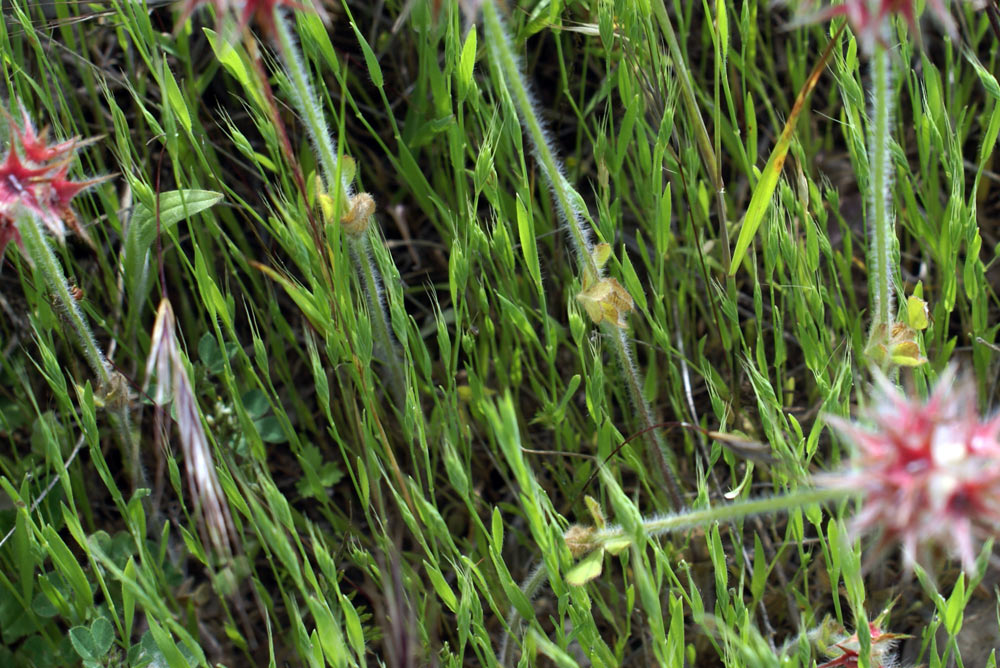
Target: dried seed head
(355, 221)
(579, 540)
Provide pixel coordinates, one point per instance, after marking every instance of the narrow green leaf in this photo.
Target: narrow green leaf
(466, 64)
(441, 586)
(67, 564)
(173, 655)
(128, 597)
(762, 192)
(374, 69)
(526, 234)
(174, 206)
(176, 99)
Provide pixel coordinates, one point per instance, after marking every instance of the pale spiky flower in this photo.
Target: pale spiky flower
(846, 651)
(928, 471)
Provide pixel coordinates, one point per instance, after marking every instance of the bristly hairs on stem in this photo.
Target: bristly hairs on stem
(358, 208)
(509, 72)
(882, 229)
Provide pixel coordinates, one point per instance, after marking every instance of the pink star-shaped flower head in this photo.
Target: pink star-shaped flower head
(260, 12)
(38, 183)
(33, 145)
(870, 19)
(928, 472)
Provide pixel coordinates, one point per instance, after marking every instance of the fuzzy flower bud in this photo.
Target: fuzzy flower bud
(355, 221)
(604, 298)
(580, 540)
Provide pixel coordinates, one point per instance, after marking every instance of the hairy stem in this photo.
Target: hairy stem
(658, 526)
(510, 71)
(570, 207)
(48, 266)
(38, 248)
(881, 220)
(307, 104)
(653, 435)
(339, 186)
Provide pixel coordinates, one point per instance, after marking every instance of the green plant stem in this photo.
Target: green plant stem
(39, 250)
(509, 69)
(309, 107)
(570, 207)
(653, 435)
(48, 266)
(307, 104)
(880, 184)
(571, 210)
(657, 526)
(660, 525)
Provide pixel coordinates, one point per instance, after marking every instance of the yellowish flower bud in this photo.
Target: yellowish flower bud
(607, 300)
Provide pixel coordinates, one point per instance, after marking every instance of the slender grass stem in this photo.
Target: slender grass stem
(702, 138)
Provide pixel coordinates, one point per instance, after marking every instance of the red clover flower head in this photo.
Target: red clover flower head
(869, 19)
(928, 472)
(33, 177)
